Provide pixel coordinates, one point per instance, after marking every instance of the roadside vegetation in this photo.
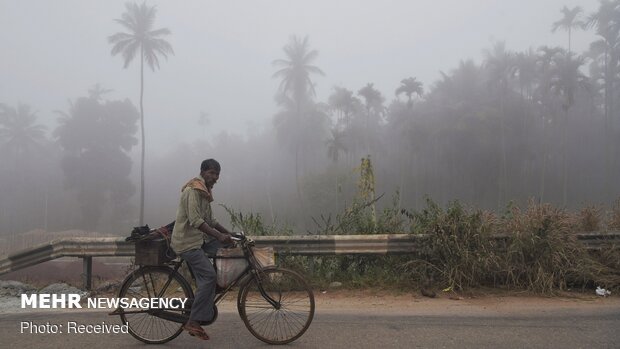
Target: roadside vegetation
(537, 250)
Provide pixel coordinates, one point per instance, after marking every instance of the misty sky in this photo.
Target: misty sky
(54, 51)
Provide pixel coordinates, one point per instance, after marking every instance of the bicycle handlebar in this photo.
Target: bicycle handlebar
(238, 236)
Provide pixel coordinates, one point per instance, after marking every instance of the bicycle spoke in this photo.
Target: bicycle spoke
(151, 282)
(289, 317)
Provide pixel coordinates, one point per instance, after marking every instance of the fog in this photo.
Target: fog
(494, 119)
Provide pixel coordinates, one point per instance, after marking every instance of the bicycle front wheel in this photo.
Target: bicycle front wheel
(153, 326)
(276, 305)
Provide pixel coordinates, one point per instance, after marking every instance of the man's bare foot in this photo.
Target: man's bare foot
(194, 329)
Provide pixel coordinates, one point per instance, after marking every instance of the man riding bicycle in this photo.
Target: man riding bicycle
(197, 235)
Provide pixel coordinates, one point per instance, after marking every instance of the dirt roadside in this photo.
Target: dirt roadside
(484, 304)
(490, 302)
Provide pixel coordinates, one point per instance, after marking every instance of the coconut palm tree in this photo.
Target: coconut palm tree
(24, 156)
(296, 88)
(18, 132)
(140, 38)
(409, 86)
(296, 68)
(571, 19)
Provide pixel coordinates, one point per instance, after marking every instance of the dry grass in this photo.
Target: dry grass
(590, 218)
(613, 222)
(538, 253)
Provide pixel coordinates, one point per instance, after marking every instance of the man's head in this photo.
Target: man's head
(210, 171)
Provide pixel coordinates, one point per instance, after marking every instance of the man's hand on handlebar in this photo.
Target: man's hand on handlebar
(225, 239)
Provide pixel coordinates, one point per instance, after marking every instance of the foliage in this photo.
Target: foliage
(458, 250)
(543, 254)
(20, 136)
(141, 37)
(96, 137)
(25, 154)
(590, 218)
(253, 224)
(614, 216)
(539, 252)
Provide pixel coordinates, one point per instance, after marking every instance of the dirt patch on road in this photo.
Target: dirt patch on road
(384, 302)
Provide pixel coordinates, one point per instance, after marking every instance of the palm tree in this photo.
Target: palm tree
(525, 68)
(373, 102)
(23, 155)
(296, 87)
(18, 132)
(97, 91)
(295, 70)
(500, 65)
(566, 79)
(570, 20)
(343, 101)
(336, 145)
(140, 36)
(409, 86)
(606, 52)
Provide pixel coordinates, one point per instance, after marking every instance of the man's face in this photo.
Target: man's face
(210, 176)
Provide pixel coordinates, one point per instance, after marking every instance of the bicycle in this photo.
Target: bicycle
(275, 304)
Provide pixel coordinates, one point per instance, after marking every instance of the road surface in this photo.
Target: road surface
(373, 322)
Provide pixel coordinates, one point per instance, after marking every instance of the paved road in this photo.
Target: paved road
(559, 328)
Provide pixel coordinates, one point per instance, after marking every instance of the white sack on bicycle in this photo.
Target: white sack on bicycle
(228, 269)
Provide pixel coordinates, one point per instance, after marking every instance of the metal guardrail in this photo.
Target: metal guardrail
(309, 245)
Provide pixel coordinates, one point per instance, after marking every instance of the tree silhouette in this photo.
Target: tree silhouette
(25, 155)
(140, 37)
(344, 103)
(297, 89)
(606, 59)
(501, 68)
(566, 78)
(373, 102)
(336, 145)
(295, 70)
(95, 137)
(409, 86)
(18, 132)
(570, 20)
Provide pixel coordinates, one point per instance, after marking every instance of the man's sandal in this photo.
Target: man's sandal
(196, 332)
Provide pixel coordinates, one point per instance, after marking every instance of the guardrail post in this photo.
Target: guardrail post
(87, 276)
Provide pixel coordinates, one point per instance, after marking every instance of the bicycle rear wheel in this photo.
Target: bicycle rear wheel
(149, 282)
(289, 314)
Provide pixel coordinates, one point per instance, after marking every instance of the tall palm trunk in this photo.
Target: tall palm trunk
(565, 160)
(502, 187)
(544, 163)
(142, 136)
(608, 126)
(297, 151)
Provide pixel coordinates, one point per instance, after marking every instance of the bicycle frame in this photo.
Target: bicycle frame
(252, 270)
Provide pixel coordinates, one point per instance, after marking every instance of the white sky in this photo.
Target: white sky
(54, 51)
